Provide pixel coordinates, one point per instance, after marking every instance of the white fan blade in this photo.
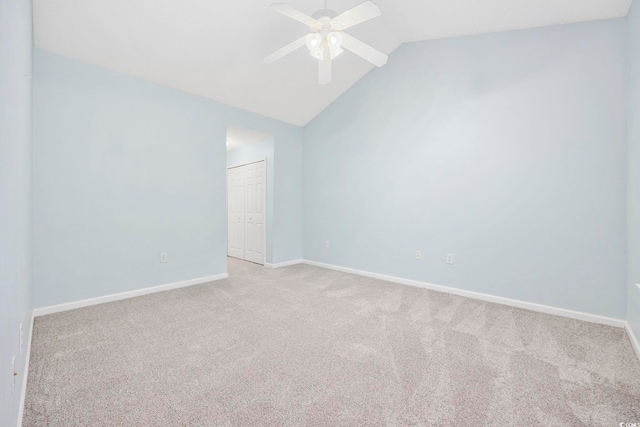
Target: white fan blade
(324, 69)
(285, 50)
(287, 10)
(364, 50)
(361, 13)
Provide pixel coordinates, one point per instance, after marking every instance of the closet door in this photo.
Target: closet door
(255, 198)
(235, 212)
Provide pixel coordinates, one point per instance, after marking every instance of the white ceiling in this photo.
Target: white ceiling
(214, 48)
(237, 137)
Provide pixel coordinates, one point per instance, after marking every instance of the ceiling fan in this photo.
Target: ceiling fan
(326, 39)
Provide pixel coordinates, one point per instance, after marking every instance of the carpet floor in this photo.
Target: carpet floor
(305, 346)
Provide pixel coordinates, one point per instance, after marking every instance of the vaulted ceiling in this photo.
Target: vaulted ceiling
(214, 48)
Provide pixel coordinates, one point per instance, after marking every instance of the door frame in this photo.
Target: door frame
(266, 211)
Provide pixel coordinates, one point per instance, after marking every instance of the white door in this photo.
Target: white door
(246, 201)
(254, 212)
(235, 212)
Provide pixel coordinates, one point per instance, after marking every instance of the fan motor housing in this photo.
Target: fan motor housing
(325, 13)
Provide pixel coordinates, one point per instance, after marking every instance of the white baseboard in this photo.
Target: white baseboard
(283, 264)
(634, 340)
(124, 295)
(593, 318)
(25, 374)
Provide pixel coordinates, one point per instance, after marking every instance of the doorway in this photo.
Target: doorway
(246, 211)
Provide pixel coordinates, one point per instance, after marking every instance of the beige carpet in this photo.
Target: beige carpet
(304, 346)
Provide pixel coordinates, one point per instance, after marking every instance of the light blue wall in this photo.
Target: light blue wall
(251, 153)
(507, 150)
(15, 197)
(287, 222)
(633, 201)
(125, 169)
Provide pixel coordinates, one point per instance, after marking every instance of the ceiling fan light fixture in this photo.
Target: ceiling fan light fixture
(317, 53)
(336, 52)
(334, 39)
(313, 40)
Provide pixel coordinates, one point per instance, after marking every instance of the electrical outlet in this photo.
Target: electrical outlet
(418, 255)
(164, 257)
(21, 338)
(326, 243)
(449, 258)
(14, 374)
